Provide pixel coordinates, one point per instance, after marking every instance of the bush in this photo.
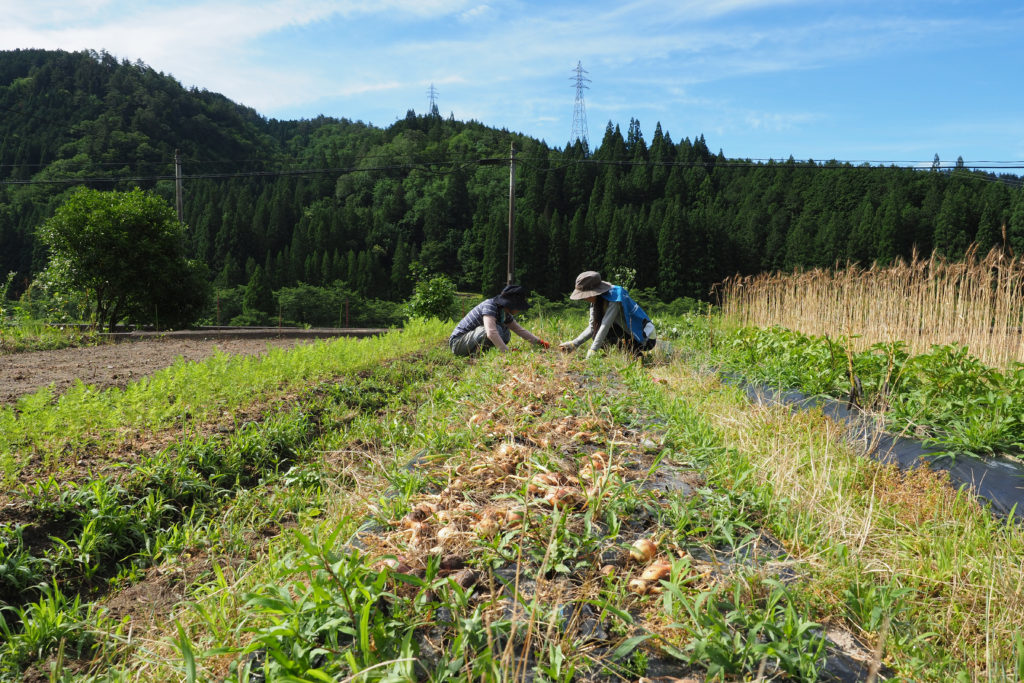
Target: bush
(225, 306)
(307, 305)
(433, 298)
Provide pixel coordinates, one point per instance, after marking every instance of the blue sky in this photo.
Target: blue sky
(887, 81)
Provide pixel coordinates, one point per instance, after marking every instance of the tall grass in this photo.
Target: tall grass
(921, 571)
(27, 334)
(977, 303)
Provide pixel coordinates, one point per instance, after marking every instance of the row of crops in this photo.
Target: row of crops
(379, 510)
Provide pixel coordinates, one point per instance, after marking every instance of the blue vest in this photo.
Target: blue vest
(631, 311)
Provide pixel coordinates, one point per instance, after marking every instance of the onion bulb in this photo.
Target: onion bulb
(562, 498)
(514, 517)
(643, 550)
(486, 527)
(656, 571)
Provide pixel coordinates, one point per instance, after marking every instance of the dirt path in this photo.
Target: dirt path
(116, 365)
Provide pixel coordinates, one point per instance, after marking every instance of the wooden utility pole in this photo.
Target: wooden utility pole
(178, 201)
(511, 214)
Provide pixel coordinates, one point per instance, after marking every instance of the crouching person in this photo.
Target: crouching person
(614, 318)
(492, 322)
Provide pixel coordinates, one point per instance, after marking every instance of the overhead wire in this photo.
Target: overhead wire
(539, 163)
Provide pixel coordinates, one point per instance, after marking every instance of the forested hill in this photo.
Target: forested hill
(326, 200)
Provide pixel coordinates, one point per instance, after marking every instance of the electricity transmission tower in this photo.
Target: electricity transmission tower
(579, 110)
(432, 93)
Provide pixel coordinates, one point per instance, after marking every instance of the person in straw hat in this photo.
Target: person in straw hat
(492, 322)
(614, 317)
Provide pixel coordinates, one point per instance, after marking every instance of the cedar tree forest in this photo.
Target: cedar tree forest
(331, 202)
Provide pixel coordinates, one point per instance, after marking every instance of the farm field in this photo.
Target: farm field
(379, 510)
(114, 365)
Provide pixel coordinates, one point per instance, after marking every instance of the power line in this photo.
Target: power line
(413, 166)
(536, 163)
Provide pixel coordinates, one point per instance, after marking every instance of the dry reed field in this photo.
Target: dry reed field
(977, 303)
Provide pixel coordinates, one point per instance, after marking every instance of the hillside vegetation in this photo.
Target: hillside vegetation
(342, 209)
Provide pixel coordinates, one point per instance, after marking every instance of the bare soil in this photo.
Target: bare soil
(119, 364)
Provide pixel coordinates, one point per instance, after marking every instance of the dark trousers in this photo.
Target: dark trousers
(625, 341)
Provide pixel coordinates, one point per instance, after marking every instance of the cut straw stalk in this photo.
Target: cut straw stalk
(978, 303)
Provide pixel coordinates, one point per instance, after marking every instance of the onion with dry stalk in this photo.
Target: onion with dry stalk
(639, 586)
(444, 516)
(643, 550)
(418, 514)
(487, 527)
(514, 517)
(563, 497)
(656, 571)
(548, 479)
(507, 449)
(395, 565)
(542, 482)
(447, 534)
(421, 532)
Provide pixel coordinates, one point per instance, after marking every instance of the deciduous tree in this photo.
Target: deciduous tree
(126, 251)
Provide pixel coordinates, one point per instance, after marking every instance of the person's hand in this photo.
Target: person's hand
(546, 345)
(566, 346)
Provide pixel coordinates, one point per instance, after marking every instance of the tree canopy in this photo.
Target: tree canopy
(126, 250)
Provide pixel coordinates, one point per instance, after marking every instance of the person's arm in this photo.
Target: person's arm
(525, 334)
(612, 311)
(491, 330)
(583, 336)
(575, 343)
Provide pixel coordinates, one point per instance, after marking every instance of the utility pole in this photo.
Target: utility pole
(579, 110)
(511, 214)
(179, 203)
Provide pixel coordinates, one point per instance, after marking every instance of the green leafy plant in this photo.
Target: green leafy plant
(736, 635)
(433, 298)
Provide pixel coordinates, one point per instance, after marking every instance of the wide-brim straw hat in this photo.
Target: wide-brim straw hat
(589, 283)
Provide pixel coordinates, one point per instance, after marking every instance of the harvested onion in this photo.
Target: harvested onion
(639, 586)
(514, 517)
(507, 449)
(562, 498)
(643, 550)
(656, 571)
(486, 527)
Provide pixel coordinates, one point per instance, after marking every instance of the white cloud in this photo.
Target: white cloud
(477, 13)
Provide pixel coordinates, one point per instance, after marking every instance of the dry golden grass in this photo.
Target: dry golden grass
(977, 303)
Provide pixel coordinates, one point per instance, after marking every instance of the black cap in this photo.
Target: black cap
(513, 297)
